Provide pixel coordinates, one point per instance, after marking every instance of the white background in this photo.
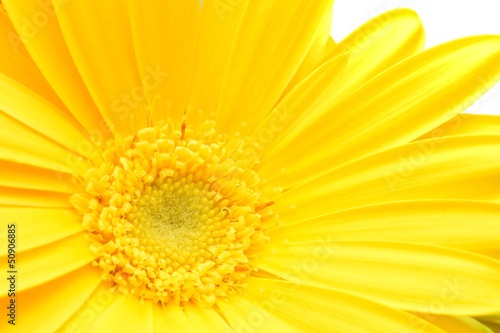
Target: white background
(443, 21)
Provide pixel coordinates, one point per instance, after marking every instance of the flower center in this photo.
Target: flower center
(176, 216)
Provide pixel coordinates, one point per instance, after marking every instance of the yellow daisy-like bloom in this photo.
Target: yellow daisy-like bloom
(224, 166)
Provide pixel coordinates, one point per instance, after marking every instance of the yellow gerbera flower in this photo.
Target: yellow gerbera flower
(224, 166)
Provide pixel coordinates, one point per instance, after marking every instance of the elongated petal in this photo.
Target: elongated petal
(41, 265)
(31, 147)
(189, 319)
(63, 296)
(28, 177)
(150, 317)
(110, 70)
(95, 306)
(139, 316)
(456, 168)
(398, 106)
(19, 103)
(493, 325)
(15, 197)
(320, 51)
(379, 44)
(468, 225)
(200, 318)
(16, 63)
(466, 124)
(244, 313)
(328, 83)
(456, 324)
(37, 26)
(293, 108)
(165, 40)
(318, 310)
(273, 39)
(40, 226)
(216, 35)
(170, 317)
(408, 276)
(495, 318)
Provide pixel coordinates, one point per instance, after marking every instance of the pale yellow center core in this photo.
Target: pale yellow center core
(176, 216)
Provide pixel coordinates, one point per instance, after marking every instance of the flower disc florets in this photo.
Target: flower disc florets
(176, 215)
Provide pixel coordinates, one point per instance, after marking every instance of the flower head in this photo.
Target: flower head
(225, 166)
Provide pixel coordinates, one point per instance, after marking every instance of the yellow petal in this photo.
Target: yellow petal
(292, 110)
(21, 144)
(40, 226)
(16, 63)
(136, 316)
(379, 44)
(399, 105)
(466, 124)
(468, 225)
(43, 264)
(328, 83)
(47, 307)
(30, 198)
(190, 319)
(37, 26)
(34, 111)
(148, 317)
(106, 60)
(495, 318)
(165, 40)
(29, 177)
(170, 318)
(455, 168)
(272, 40)
(96, 304)
(494, 326)
(201, 318)
(245, 315)
(216, 34)
(456, 324)
(415, 277)
(320, 52)
(311, 309)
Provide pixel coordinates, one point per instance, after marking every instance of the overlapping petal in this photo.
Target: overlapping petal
(270, 302)
(139, 316)
(110, 71)
(62, 296)
(399, 105)
(406, 276)
(264, 56)
(165, 35)
(468, 225)
(465, 124)
(51, 261)
(454, 168)
(19, 102)
(40, 226)
(16, 63)
(37, 26)
(459, 324)
(21, 144)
